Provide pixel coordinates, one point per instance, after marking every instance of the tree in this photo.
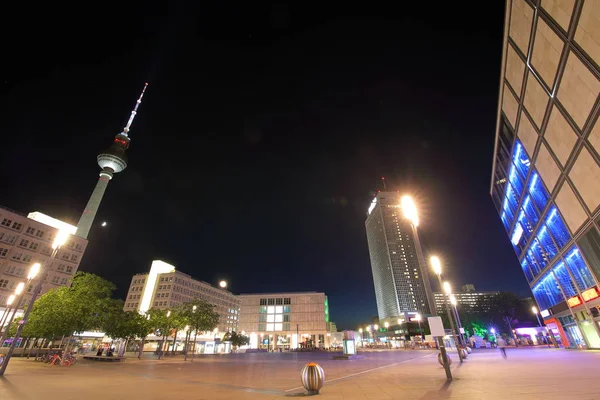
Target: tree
(161, 322)
(236, 339)
(65, 310)
(509, 307)
(200, 317)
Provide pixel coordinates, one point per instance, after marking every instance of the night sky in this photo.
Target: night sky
(262, 138)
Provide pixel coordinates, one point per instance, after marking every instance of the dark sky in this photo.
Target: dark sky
(262, 137)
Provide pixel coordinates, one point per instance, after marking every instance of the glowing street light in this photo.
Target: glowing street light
(447, 288)
(7, 309)
(386, 324)
(223, 285)
(418, 318)
(436, 264)
(409, 209)
(33, 271)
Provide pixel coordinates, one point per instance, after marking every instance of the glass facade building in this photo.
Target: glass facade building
(546, 168)
(401, 282)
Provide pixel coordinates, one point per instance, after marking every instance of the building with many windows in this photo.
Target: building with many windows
(546, 167)
(469, 301)
(25, 240)
(164, 287)
(401, 281)
(285, 320)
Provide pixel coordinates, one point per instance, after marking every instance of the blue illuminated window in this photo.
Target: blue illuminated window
(546, 292)
(579, 269)
(532, 214)
(513, 198)
(505, 220)
(538, 191)
(557, 227)
(510, 215)
(518, 238)
(546, 242)
(560, 271)
(539, 254)
(526, 270)
(515, 180)
(527, 226)
(521, 160)
(534, 265)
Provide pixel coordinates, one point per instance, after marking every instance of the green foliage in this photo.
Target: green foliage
(199, 315)
(65, 310)
(236, 339)
(124, 324)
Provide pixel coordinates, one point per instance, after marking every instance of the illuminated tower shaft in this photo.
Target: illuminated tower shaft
(113, 160)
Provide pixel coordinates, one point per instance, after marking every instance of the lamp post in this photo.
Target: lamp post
(445, 287)
(19, 294)
(409, 209)
(362, 339)
(59, 240)
(7, 310)
(418, 318)
(454, 303)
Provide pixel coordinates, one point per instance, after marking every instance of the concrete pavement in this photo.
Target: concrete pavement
(527, 373)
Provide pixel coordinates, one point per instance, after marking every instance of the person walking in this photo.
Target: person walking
(502, 346)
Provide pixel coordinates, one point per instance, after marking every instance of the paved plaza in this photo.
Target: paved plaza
(539, 373)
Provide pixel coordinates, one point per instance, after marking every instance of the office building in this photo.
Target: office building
(112, 161)
(285, 320)
(469, 301)
(546, 166)
(331, 327)
(25, 240)
(400, 278)
(164, 287)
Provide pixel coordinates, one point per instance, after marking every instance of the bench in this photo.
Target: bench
(103, 358)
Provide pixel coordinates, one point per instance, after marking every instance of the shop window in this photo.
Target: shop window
(590, 247)
(557, 227)
(579, 269)
(561, 273)
(526, 270)
(520, 160)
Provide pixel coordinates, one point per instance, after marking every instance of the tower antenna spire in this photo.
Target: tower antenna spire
(134, 112)
(384, 186)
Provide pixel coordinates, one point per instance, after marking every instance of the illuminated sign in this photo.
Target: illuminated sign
(589, 294)
(574, 301)
(545, 313)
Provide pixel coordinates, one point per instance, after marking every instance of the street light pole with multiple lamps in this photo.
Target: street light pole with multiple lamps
(59, 240)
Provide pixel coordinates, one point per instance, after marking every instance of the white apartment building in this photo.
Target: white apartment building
(25, 240)
(276, 321)
(164, 287)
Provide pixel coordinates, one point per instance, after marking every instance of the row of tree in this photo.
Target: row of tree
(88, 305)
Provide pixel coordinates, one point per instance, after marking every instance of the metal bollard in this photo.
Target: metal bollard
(441, 360)
(469, 349)
(313, 378)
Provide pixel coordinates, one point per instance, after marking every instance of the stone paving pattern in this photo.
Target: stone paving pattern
(527, 373)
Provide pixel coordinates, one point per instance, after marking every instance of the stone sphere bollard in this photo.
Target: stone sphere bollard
(464, 353)
(469, 350)
(441, 360)
(313, 378)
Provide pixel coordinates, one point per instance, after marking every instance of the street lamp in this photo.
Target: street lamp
(59, 240)
(437, 268)
(33, 271)
(409, 210)
(362, 339)
(223, 285)
(418, 318)
(7, 310)
(454, 303)
(386, 324)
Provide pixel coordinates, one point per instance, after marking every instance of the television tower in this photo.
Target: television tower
(112, 160)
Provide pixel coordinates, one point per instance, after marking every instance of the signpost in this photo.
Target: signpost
(437, 330)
